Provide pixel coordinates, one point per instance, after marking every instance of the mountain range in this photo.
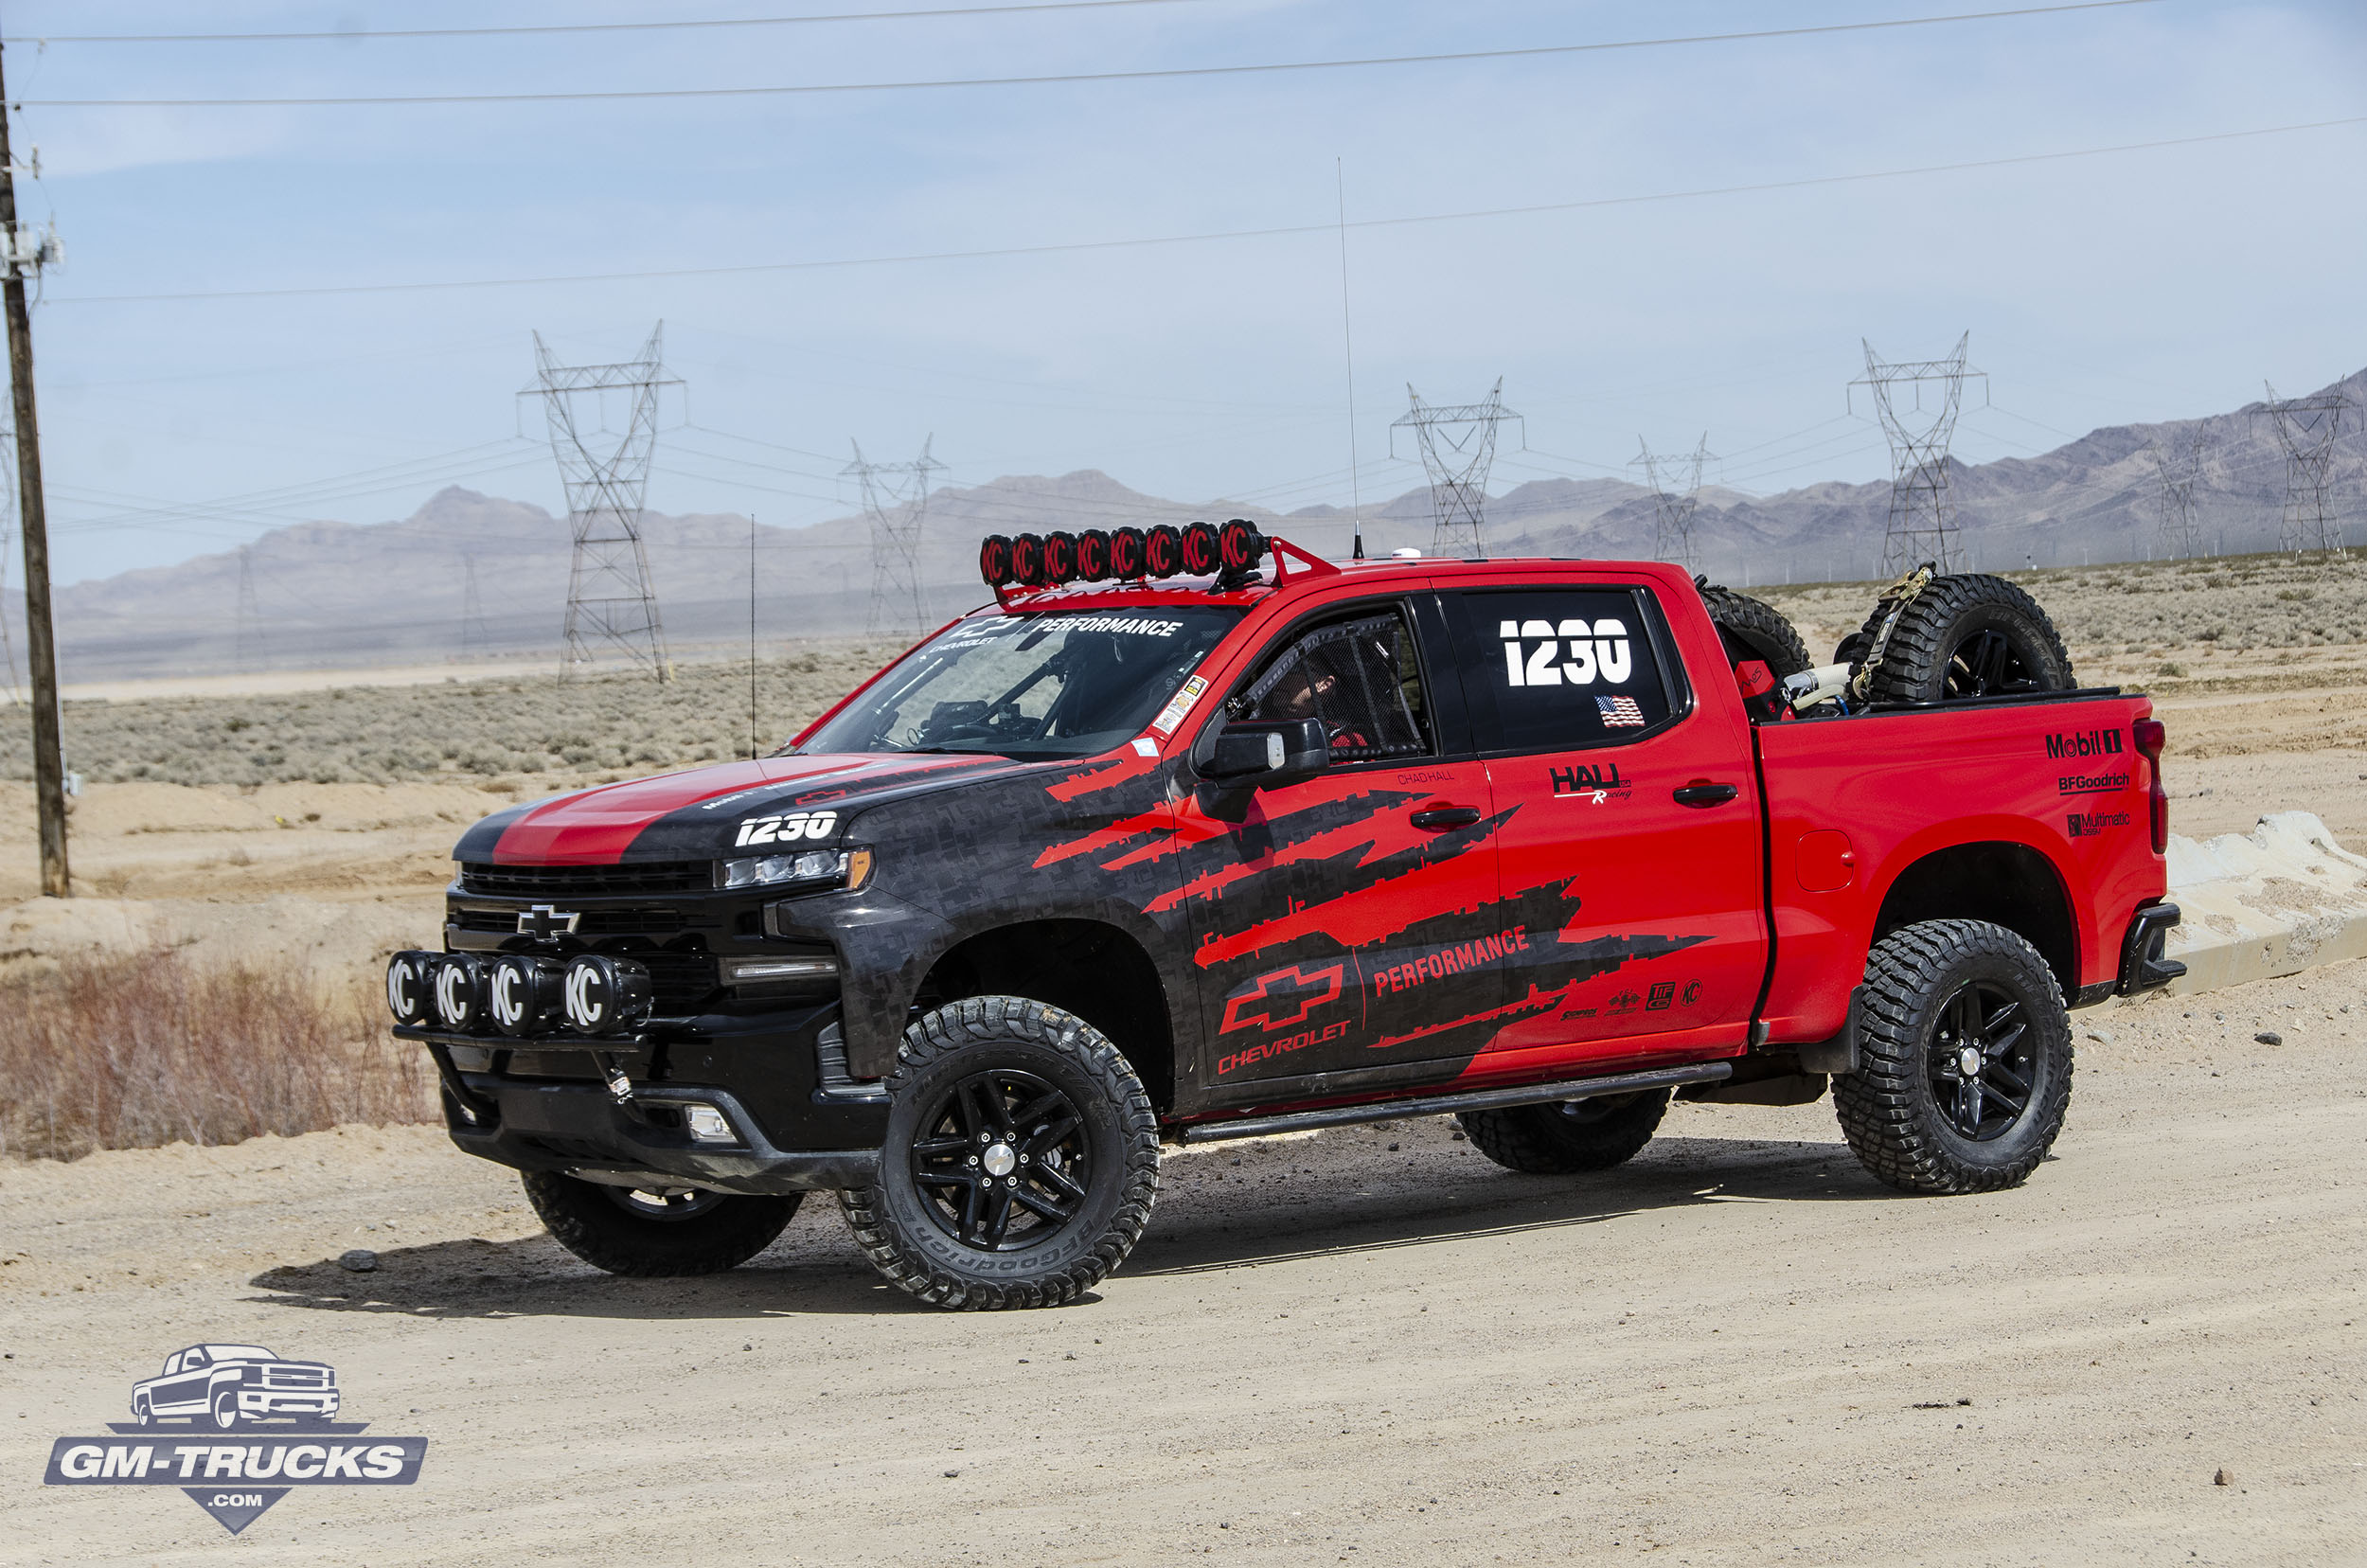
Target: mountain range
(340, 594)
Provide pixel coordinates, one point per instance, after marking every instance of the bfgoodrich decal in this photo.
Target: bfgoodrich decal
(236, 1427)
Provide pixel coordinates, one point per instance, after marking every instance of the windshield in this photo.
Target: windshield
(1046, 684)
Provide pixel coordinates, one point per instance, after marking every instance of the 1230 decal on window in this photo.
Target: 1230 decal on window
(1575, 652)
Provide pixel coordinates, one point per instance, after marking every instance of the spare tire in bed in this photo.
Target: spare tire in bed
(1962, 636)
(1754, 630)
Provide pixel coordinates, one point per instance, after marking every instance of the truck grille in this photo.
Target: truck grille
(591, 922)
(295, 1377)
(587, 881)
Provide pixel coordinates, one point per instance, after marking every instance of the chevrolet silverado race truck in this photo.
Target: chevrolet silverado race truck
(1190, 835)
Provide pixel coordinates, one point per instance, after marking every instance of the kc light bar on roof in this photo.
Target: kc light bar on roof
(1127, 555)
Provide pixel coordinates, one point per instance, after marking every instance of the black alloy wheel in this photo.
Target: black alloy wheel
(1983, 1062)
(1020, 1163)
(1988, 663)
(1003, 1160)
(656, 1232)
(664, 1206)
(1964, 1059)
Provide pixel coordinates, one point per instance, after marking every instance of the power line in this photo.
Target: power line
(1171, 73)
(358, 34)
(1280, 231)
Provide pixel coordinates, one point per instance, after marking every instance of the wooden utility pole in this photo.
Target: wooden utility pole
(40, 643)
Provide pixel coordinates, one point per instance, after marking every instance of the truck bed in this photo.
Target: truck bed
(2032, 791)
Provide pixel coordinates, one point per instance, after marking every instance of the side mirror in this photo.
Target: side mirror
(1260, 755)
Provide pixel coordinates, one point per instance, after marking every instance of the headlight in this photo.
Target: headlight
(814, 871)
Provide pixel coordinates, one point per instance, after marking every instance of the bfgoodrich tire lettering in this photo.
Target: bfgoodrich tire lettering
(1965, 1060)
(986, 1065)
(1563, 1140)
(653, 1236)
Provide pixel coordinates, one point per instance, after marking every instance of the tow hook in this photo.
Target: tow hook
(619, 1086)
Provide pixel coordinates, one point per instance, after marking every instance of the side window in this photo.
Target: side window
(1550, 668)
(1360, 677)
(192, 1360)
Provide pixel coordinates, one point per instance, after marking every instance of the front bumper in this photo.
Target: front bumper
(288, 1401)
(582, 1131)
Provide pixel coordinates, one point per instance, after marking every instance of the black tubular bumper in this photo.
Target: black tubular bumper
(2143, 968)
(580, 1130)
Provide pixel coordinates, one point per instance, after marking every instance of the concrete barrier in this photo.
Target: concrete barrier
(2282, 898)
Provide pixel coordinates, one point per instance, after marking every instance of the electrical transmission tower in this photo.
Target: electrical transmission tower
(1458, 445)
(249, 649)
(475, 639)
(1675, 493)
(603, 420)
(2182, 536)
(2305, 429)
(1922, 524)
(896, 498)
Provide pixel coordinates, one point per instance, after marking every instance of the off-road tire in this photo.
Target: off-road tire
(1889, 1109)
(1752, 629)
(592, 1221)
(1968, 635)
(1564, 1140)
(898, 1227)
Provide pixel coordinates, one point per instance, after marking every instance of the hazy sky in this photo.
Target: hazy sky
(2131, 285)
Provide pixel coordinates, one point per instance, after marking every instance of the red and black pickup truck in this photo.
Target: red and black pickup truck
(1190, 835)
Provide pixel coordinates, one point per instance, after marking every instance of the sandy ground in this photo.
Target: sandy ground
(1369, 1346)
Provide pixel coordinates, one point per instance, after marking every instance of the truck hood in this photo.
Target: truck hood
(697, 814)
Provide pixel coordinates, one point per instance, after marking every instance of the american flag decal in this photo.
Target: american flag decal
(1619, 712)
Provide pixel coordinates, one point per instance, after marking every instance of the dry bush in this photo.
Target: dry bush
(134, 1051)
(558, 729)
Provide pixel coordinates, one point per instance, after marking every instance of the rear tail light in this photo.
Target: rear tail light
(1060, 558)
(1093, 555)
(994, 561)
(2150, 736)
(1027, 561)
(1125, 553)
(1163, 552)
(1202, 549)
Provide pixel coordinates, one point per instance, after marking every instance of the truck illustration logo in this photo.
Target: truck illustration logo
(230, 1417)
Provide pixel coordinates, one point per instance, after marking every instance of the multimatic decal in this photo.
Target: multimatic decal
(2089, 824)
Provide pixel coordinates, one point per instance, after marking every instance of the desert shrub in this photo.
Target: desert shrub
(134, 1051)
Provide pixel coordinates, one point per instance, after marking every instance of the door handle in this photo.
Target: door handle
(1706, 794)
(1437, 817)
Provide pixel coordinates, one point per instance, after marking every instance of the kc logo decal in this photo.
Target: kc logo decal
(1284, 997)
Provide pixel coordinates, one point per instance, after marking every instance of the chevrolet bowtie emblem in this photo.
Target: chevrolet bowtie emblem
(545, 923)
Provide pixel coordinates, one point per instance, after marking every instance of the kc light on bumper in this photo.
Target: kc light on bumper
(459, 989)
(603, 995)
(814, 871)
(522, 993)
(408, 987)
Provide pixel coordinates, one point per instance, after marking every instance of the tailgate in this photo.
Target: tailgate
(2024, 798)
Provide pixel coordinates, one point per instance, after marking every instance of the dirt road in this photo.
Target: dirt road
(1370, 1346)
